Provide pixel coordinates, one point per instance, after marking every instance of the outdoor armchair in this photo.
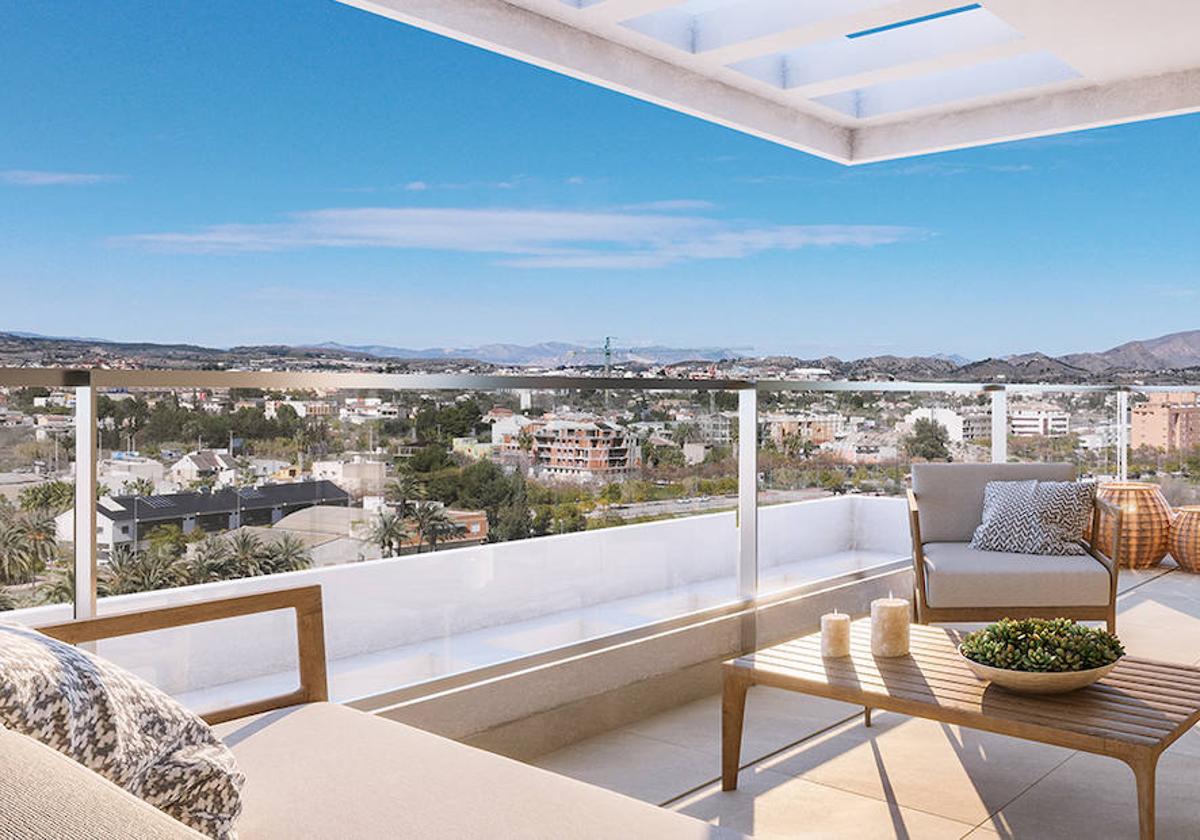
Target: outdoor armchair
(956, 583)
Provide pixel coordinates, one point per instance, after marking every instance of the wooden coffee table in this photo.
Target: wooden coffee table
(1133, 714)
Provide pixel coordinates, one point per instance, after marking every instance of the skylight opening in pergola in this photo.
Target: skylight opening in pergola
(963, 31)
(701, 26)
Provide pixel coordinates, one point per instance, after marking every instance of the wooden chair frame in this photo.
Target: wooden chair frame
(310, 637)
(1108, 613)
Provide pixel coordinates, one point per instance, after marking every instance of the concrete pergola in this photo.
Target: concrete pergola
(855, 81)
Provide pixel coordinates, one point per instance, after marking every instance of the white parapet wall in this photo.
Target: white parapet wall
(379, 605)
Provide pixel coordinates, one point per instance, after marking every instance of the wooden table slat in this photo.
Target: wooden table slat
(1117, 687)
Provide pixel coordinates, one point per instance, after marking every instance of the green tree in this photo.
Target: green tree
(405, 492)
(247, 554)
(432, 524)
(208, 561)
(388, 532)
(129, 570)
(929, 440)
(55, 496)
(138, 487)
(287, 553)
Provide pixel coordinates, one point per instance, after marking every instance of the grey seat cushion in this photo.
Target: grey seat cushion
(324, 770)
(950, 496)
(46, 796)
(957, 575)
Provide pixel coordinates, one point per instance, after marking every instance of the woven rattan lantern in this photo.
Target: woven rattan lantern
(1185, 538)
(1145, 523)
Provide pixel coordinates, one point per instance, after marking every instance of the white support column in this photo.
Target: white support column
(1122, 435)
(85, 501)
(999, 423)
(747, 569)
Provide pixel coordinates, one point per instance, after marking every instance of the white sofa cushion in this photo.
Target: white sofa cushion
(46, 796)
(324, 770)
(957, 575)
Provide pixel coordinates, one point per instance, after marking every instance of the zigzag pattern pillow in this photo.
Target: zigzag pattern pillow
(1034, 517)
(121, 727)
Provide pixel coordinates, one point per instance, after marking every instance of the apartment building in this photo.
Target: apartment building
(977, 423)
(818, 428)
(1168, 422)
(1039, 422)
(582, 450)
(715, 428)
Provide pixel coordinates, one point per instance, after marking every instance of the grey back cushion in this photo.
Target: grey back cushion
(950, 496)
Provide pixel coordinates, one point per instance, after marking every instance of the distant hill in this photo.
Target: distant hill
(1168, 352)
(545, 354)
(1167, 359)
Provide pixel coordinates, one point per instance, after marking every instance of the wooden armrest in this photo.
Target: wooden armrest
(914, 526)
(1103, 508)
(310, 637)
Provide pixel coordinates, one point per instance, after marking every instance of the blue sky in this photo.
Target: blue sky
(232, 173)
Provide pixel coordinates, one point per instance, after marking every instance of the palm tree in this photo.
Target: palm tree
(406, 491)
(444, 527)
(59, 588)
(433, 524)
(129, 570)
(14, 553)
(389, 533)
(247, 555)
(208, 561)
(38, 530)
(288, 554)
(6, 601)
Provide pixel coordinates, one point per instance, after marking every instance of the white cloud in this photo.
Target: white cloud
(416, 186)
(43, 178)
(526, 238)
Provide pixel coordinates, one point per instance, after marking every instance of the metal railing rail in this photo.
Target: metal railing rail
(90, 382)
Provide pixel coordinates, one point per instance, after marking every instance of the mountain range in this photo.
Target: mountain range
(1169, 358)
(546, 353)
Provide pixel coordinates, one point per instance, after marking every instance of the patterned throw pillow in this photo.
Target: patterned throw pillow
(1034, 517)
(119, 726)
(1064, 508)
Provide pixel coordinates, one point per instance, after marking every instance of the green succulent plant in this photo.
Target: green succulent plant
(1040, 644)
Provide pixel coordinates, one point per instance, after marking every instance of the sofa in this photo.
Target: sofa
(317, 769)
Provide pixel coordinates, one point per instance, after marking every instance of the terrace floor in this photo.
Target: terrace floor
(812, 770)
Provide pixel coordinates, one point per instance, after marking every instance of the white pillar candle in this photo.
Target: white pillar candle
(835, 634)
(889, 626)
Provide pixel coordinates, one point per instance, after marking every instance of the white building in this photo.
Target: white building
(203, 465)
(359, 476)
(1033, 422)
(948, 418)
(124, 469)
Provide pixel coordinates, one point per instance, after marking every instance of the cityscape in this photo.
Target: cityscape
(200, 485)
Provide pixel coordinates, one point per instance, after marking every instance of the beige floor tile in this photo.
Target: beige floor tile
(644, 768)
(961, 774)
(774, 719)
(769, 804)
(1094, 797)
